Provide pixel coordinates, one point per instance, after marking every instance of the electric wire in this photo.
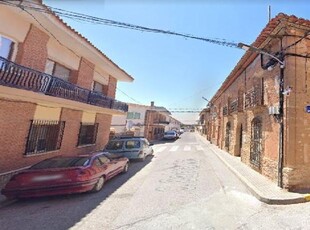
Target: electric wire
(111, 84)
(108, 22)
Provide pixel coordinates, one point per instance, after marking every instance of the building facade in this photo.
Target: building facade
(260, 112)
(142, 120)
(202, 123)
(132, 123)
(57, 90)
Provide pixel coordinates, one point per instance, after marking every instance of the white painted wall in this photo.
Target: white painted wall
(121, 123)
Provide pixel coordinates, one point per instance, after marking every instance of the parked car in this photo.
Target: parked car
(134, 148)
(171, 135)
(65, 175)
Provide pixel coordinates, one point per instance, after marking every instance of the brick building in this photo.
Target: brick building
(246, 113)
(57, 90)
(149, 121)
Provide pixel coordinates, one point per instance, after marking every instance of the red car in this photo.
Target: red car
(65, 175)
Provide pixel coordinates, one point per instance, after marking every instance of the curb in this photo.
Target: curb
(258, 195)
(263, 198)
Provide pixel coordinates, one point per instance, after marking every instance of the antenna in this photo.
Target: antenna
(269, 13)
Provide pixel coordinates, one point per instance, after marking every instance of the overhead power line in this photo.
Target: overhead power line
(102, 21)
(108, 22)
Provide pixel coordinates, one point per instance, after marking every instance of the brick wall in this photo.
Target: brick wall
(32, 52)
(14, 127)
(296, 120)
(15, 120)
(104, 121)
(252, 76)
(85, 74)
(70, 139)
(112, 87)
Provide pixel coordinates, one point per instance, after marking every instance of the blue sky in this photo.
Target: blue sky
(172, 71)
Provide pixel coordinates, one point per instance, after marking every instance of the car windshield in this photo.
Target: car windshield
(115, 145)
(62, 162)
(132, 144)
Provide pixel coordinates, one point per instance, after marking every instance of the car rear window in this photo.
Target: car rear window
(170, 133)
(115, 145)
(62, 162)
(132, 144)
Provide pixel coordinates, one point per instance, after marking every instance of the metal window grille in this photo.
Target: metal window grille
(228, 135)
(240, 101)
(256, 141)
(225, 110)
(234, 106)
(44, 136)
(87, 134)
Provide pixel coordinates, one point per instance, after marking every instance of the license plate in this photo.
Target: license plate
(47, 178)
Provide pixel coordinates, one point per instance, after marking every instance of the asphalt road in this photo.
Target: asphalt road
(184, 186)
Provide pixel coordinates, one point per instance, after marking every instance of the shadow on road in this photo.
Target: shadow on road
(61, 212)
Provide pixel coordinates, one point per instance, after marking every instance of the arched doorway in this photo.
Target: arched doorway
(239, 140)
(228, 135)
(256, 141)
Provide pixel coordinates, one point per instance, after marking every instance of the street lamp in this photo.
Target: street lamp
(279, 116)
(257, 50)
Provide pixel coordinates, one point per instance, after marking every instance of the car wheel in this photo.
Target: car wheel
(125, 169)
(98, 186)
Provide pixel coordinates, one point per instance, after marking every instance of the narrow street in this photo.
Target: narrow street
(184, 186)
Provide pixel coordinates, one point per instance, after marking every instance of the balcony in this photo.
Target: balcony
(225, 110)
(233, 106)
(162, 122)
(253, 98)
(17, 76)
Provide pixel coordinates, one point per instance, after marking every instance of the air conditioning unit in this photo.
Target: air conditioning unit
(273, 110)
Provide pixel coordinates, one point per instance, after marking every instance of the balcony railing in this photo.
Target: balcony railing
(233, 106)
(225, 110)
(162, 122)
(253, 97)
(17, 76)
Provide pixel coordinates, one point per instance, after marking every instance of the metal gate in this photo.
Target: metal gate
(256, 142)
(228, 135)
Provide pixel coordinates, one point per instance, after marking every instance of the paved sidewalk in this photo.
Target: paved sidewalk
(261, 187)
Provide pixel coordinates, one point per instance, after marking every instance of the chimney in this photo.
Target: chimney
(152, 103)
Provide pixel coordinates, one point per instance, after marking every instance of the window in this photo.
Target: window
(130, 115)
(115, 145)
(44, 136)
(98, 87)
(97, 162)
(88, 134)
(62, 162)
(136, 116)
(240, 100)
(133, 115)
(6, 47)
(53, 68)
(104, 159)
(228, 135)
(132, 144)
(256, 141)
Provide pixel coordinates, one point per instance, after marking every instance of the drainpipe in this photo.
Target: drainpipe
(281, 123)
